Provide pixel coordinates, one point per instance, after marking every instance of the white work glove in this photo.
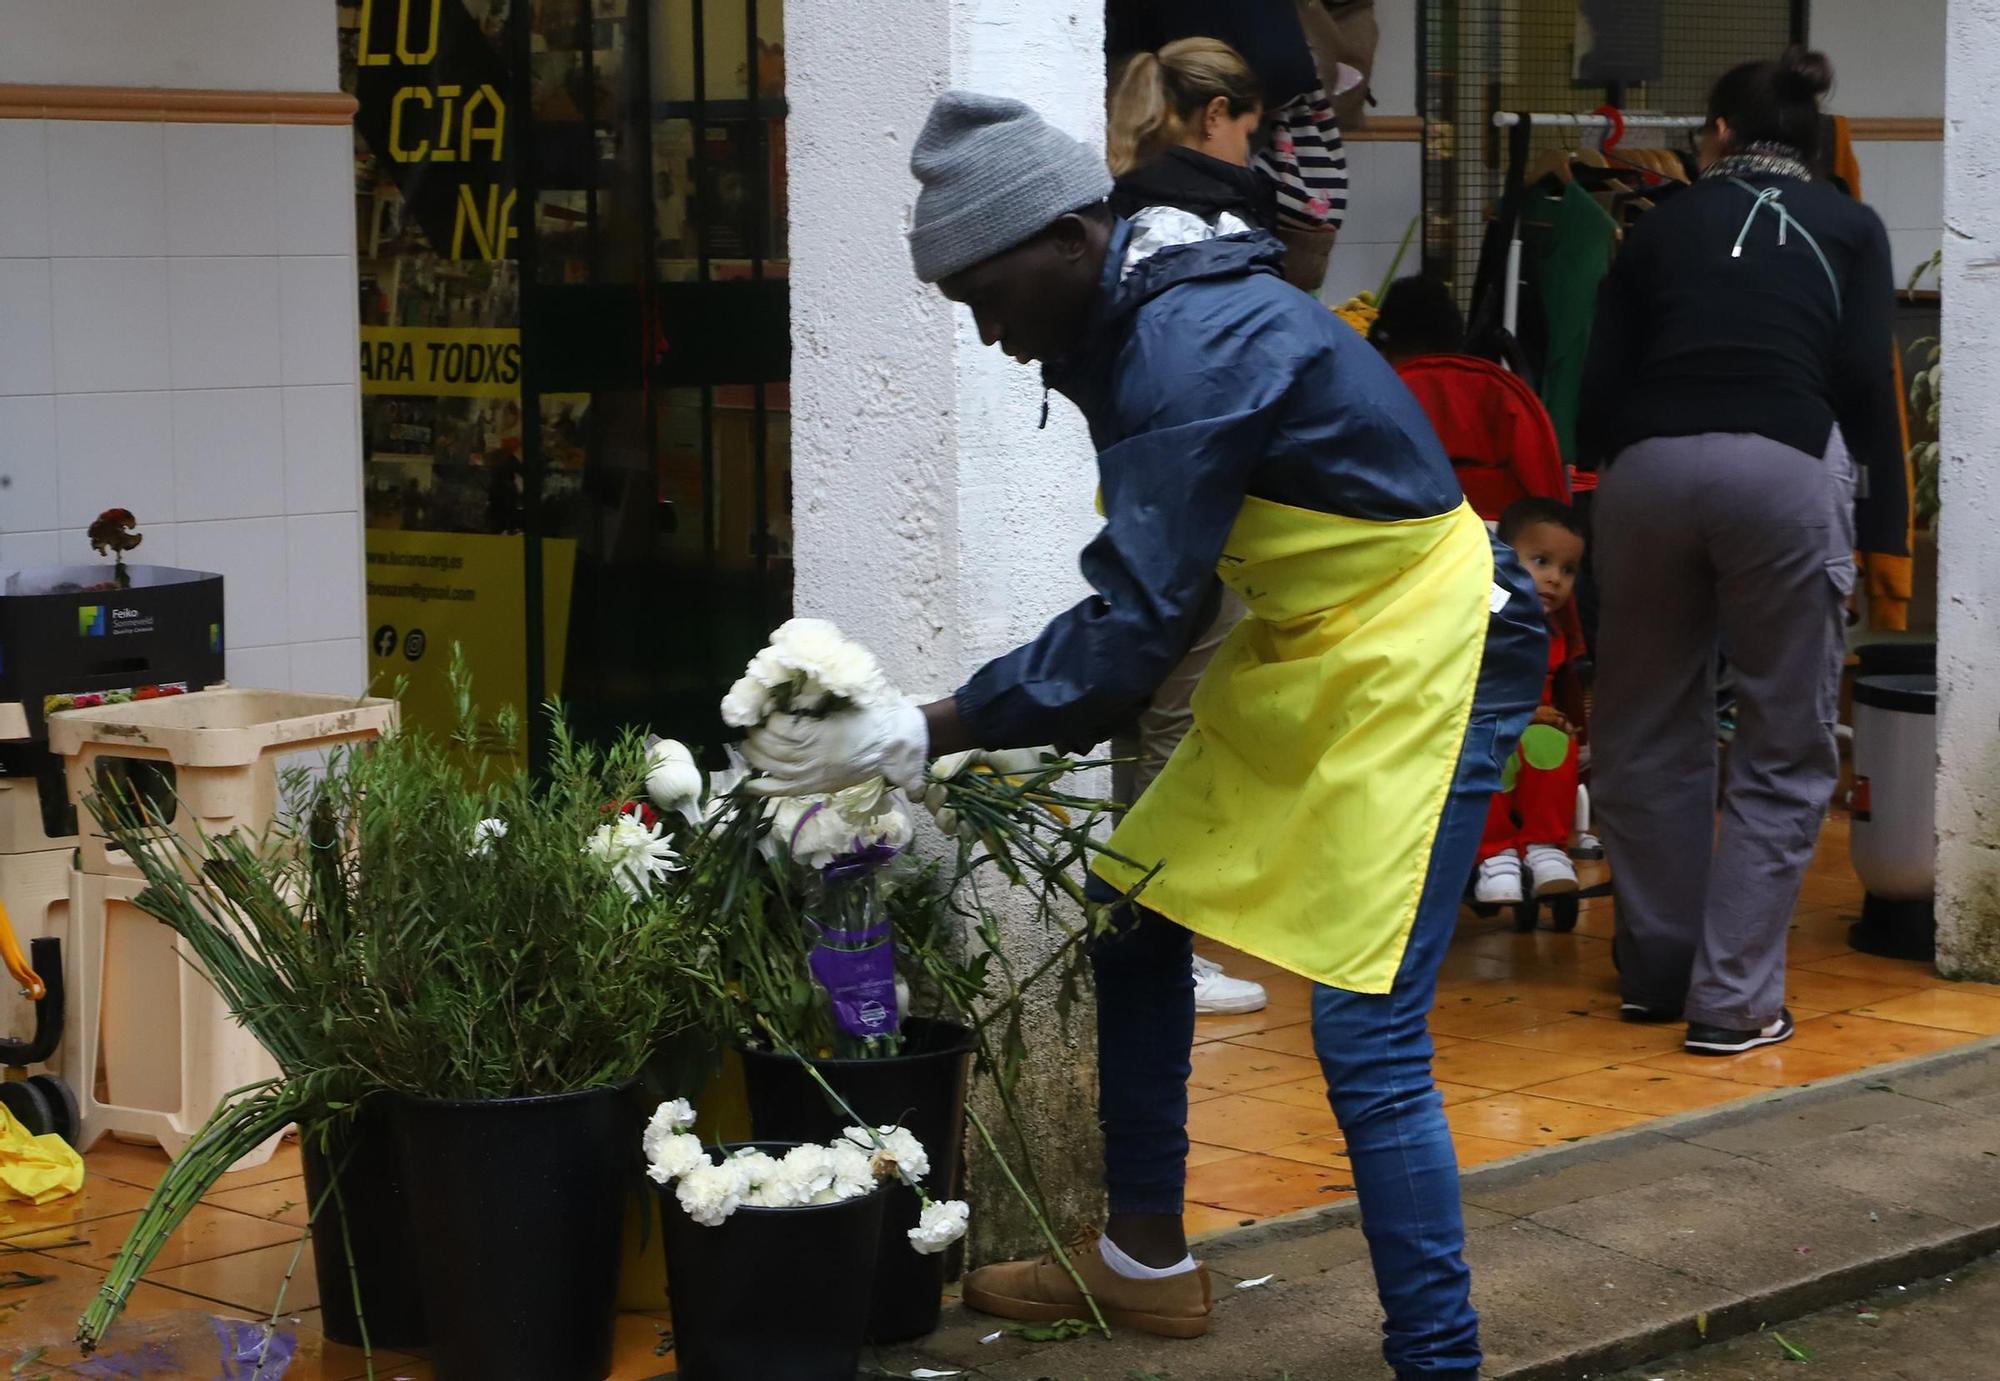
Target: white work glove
(1003, 762)
(799, 755)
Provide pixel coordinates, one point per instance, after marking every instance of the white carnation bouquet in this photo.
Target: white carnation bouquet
(809, 668)
(709, 1189)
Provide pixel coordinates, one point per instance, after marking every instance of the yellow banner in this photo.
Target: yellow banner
(441, 362)
(428, 590)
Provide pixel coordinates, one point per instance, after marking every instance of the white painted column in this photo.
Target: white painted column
(1968, 793)
(933, 518)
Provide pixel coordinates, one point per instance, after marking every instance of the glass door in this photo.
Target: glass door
(613, 505)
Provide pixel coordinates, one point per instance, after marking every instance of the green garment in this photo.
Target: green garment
(1573, 255)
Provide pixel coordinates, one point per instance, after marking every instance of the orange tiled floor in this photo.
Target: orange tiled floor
(1530, 1053)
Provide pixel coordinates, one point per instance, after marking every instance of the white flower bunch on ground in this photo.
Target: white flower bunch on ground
(708, 1191)
(809, 668)
(639, 856)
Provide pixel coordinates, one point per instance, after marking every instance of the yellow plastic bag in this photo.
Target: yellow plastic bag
(36, 1168)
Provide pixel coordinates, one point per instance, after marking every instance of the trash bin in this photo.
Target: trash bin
(1894, 840)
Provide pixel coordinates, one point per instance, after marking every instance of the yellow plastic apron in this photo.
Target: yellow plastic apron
(1296, 819)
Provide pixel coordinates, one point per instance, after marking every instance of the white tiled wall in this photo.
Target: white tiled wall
(177, 337)
(1384, 194)
(1904, 182)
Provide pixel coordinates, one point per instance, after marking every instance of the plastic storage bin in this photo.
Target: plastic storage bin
(24, 822)
(1894, 839)
(140, 1012)
(224, 745)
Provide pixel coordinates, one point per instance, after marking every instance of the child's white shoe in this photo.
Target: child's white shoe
(1550, 870)
(1499, 881)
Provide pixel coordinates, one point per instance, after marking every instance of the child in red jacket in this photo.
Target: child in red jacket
(1529, 824)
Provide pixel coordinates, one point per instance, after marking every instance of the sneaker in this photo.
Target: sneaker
(1216, 993)
(1720, 1040)
(1551, 871)
(1646, 1016)
(1041, 1291)
(1499, 880)
(1589, 848)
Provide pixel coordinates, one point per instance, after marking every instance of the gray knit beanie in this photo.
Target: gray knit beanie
(994, 175)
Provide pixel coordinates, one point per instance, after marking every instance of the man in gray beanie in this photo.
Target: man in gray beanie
(1323, 811)
(994, 174)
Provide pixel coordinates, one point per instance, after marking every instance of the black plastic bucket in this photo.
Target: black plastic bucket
(923, 1090)
(728, 1323)
(377, 1231)
(516, 1205)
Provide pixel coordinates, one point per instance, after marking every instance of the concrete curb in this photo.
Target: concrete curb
(1608, 1253)
(1543, 1160)
(1756, 1311)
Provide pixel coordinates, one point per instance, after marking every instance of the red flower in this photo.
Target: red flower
(638, 810)
(112, 532)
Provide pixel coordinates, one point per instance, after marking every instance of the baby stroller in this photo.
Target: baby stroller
(39, 1102)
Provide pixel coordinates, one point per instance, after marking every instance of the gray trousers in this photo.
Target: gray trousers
(1166, 720)
(1706, 543)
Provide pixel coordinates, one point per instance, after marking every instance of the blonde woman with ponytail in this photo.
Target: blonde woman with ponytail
(1196, 93)
(1179, 139)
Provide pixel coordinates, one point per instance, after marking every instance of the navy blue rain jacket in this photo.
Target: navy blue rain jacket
(1204, 377)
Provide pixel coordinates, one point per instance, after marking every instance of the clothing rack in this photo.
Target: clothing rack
(1614, 123)
(1507, 119)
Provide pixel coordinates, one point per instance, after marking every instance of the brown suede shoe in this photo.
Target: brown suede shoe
(1042, 1292)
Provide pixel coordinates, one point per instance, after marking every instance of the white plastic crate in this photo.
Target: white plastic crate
(225, 747)
(142, 1016)
(23, 830)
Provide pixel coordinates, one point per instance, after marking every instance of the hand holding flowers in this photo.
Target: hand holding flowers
(820, 715)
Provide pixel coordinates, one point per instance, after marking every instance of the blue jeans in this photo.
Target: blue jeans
(1375, 1050)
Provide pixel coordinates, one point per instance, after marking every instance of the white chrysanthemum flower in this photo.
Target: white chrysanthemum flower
(675, 1115)
(811, 1170)
(483, 835)
(709, 1193)
(673, 1156)
(853, 1170)
(770, 670)
(893, 826)
(765, 1185)
(747, 705)
(832, 664)
(898, 1148)
(672, 780)
(815, 830)
(940, 1225)
(638, 856)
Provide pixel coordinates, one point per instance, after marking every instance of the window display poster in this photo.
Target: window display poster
(429, 79)
(441, 357)
(430, 590)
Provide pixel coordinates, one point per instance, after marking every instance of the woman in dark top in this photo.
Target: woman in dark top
(1178, 140)
(1741, 401)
